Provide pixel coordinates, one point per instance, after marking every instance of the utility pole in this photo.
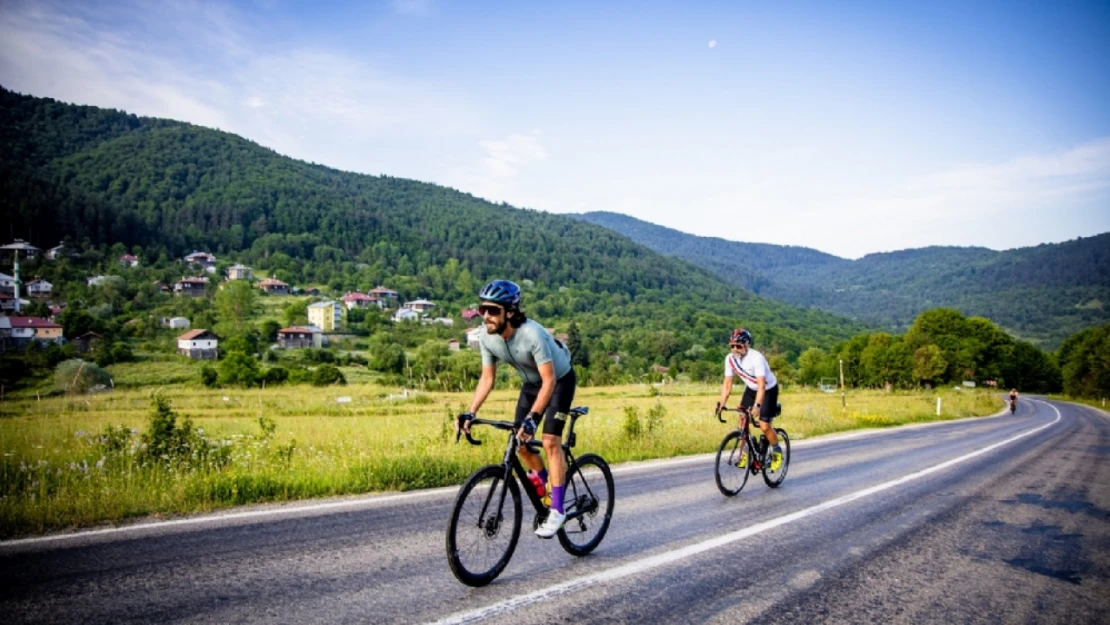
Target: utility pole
(843, 394)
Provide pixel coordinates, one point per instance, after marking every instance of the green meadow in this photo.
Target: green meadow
(81, 461)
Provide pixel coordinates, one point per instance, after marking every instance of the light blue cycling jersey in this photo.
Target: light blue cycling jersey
(530, 347)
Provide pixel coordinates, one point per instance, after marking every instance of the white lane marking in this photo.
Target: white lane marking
(366, 502)
(374, 500)
(661, 559)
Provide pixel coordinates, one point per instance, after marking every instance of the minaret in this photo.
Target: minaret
(16, 246)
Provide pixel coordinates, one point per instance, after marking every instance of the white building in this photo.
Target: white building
(39, 287)
(405, 314)
(420, 305)
(198, 343)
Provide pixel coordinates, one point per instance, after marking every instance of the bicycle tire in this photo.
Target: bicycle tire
(585, 481)
(731, 477)
(477, 551)
(775, 478)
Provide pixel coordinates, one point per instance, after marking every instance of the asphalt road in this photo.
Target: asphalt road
(994, 520)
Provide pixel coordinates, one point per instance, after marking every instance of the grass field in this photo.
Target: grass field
(81, 461)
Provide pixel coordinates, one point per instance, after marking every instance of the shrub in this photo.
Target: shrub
(632, 427)
(166, 442)
(326, 375)
(78, 376)
(239, 369)
(655, 416)
(275, 375)
(209, 376)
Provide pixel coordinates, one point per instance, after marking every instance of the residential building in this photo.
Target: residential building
(443, 321)
(472, 335)
(54, 252)
(176, 323)
(8, 302)
(300, 336)
(420, 305)
(128, 260)
(273, 286)
(39, 288)
(387, 296)
(355, 299)
(239, 272)
(96, 280)
(203, 259)
(471, 315)
(405, 314)
(190, 287)
(453, 344)
(5, 332)
(27, 329)
(7, 284)
(199, 344)
(328, 316)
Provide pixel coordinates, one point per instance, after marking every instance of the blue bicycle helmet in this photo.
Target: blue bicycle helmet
(503, 292)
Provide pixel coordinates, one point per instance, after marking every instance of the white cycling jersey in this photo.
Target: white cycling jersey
(753, 365)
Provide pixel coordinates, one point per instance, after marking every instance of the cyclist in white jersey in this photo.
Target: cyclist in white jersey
(546, 396)
(761, 392)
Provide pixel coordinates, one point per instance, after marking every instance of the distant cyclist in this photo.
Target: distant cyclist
(548, 391)
(761, 394)
(1013, 400)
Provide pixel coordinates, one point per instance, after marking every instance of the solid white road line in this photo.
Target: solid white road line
(639, 566)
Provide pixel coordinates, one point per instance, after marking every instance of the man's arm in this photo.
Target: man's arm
(547, 387)
(726, 390)
(761, 382)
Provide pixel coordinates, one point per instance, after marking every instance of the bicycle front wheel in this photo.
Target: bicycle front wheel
(733, 459)
(588, 503)
(774, 478)
(484, 526)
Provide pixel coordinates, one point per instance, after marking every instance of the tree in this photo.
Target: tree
(1085, 360)
(239, 369)
(579, 355)
(235, 302)
(269, 330)
(928, 364)
(326, 375)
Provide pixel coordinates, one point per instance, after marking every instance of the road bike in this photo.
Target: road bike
(741, 454)
(1013, 405)
(485, 521)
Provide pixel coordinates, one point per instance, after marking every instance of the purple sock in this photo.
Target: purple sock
(557, 498)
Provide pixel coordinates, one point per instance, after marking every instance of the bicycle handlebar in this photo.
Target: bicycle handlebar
(501, 425)
(739, 409)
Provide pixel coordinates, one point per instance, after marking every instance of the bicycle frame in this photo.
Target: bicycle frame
(513, 466)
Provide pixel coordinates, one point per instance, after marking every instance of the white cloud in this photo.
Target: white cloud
(495, 175)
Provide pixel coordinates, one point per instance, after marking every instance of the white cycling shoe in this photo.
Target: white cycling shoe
(552, 524)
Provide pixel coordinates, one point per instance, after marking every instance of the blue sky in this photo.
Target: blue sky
(850, 127)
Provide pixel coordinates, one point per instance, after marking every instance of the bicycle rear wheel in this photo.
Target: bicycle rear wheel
(589, 494)
(733, 459)
(774, 478)
(483, 530)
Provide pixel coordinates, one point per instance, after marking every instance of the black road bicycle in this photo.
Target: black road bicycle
(1013, 405)
(485, 522)
(740, 454)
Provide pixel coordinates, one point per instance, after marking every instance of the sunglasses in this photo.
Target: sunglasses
(492, 311)
(736, 346)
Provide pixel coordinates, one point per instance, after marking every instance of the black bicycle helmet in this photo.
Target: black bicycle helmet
(740, 335)
(503, 292)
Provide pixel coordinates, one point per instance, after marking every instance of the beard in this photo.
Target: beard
(496, 327)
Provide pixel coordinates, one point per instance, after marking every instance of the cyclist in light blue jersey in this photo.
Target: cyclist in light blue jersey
(546, 396)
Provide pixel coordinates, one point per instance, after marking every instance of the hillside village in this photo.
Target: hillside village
(35, 315)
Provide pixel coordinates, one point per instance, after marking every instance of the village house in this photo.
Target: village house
(128, 261)
(405, 314)
(388, 297)
(190, 287)
(273, 286)
(453, 344)
(239, 272)
(7, 284)
(471, 315)
(354, 299)
(8, 302)
(176, 323)
(443, 321)
(203, 259)
(198, 344)
(328, 316)
(39, 288)
(27, 329)
(472, 336)
(300, 336)
(54, 252)
(420, 305)
(96, 280)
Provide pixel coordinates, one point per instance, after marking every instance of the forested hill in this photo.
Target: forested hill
(1042, 294)
(105, 177)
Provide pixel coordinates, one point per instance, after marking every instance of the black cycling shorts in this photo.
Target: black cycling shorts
(555, 416)
(770, 400)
